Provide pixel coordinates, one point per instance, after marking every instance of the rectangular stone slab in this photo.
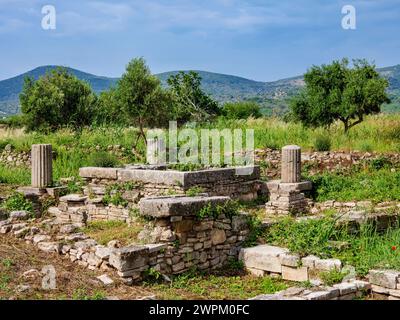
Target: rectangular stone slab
(100, 173)
(263, 257)
(129, 258)
(177, 206)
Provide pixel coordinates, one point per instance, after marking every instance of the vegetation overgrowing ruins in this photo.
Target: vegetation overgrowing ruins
(315, 218)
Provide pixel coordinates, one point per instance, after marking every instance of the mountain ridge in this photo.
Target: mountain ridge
(272, 95)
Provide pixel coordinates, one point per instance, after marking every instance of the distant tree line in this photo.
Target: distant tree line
(333, 92)
(59, 99)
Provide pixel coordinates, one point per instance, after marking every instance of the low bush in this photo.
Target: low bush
(16, 202)
(103, 159)
(322, 143)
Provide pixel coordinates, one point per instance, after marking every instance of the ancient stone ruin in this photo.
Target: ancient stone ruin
(286, 195)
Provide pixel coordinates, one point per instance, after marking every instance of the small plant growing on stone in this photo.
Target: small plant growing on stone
(46, 204)
(116, 199)
(332, 277)
(235, 265)
(74, 186)
(194, 191)
(152, 275)
(230, 208)
(17, 201)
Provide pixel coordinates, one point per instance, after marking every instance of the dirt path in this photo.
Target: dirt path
(72, 280)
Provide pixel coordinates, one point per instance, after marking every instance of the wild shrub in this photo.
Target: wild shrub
(103, 159)
(322, 143)
(17, 201)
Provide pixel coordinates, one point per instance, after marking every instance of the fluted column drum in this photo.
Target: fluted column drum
(291, 164)
(156, 151)
(42, 166)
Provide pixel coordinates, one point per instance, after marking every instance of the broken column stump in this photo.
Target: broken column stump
(286, 195)
(42, 166)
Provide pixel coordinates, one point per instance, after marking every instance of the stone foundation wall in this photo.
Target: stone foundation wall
(15, 159)
(183, 241)
(224, 181)
(180, 240)
(385, 284)
(319, 161)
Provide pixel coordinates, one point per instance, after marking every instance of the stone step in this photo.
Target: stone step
(73, 198)
(54, 211)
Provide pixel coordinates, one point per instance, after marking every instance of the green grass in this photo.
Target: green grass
(366, 250)
(366, 183)
(17, 176)
(90, 146)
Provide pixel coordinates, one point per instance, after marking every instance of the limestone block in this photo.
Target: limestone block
(262, 257)
(177, 206)
(384, 278)
(328, 264)
(295, 274)
(129, 258)
(218, 236)
(100, 173)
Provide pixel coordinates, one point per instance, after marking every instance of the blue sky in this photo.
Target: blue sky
(257, 39)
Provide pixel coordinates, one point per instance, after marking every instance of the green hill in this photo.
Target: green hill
(273, 96)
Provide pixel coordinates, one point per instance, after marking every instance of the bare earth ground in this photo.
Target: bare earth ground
(78, 283)
(72, 280)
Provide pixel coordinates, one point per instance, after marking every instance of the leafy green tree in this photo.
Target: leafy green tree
(142, 98)
(191, 103)
(108, 109)
(241, 110)
(55, 100)
(338, 92)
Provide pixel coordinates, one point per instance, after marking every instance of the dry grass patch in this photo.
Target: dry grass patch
(105, 231)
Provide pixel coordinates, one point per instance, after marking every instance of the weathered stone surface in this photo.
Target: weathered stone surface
(328, 294)
(40, 238)
(239, 222)
(163, 177)
(328, 264)
(85, 244)
(263, 257)
(68, 228)
(177, 206)
(19, 215)
(218, 236)
(31, 274)
(73, 198)
(105, 279)
(192, 178)
(103, 252)
(384, 278)
(101, 173)
(291, 164)
(22, 232)
(289, 260)
(295, 274)
(256, 272)
(18, 226)
(346, 288)
(42, 168)
(156, 247)
(76, 237)
(49, 246)
(309, 261)
(129, 258)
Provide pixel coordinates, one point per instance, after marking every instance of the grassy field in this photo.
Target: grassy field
(366, 250)
(112, 146)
